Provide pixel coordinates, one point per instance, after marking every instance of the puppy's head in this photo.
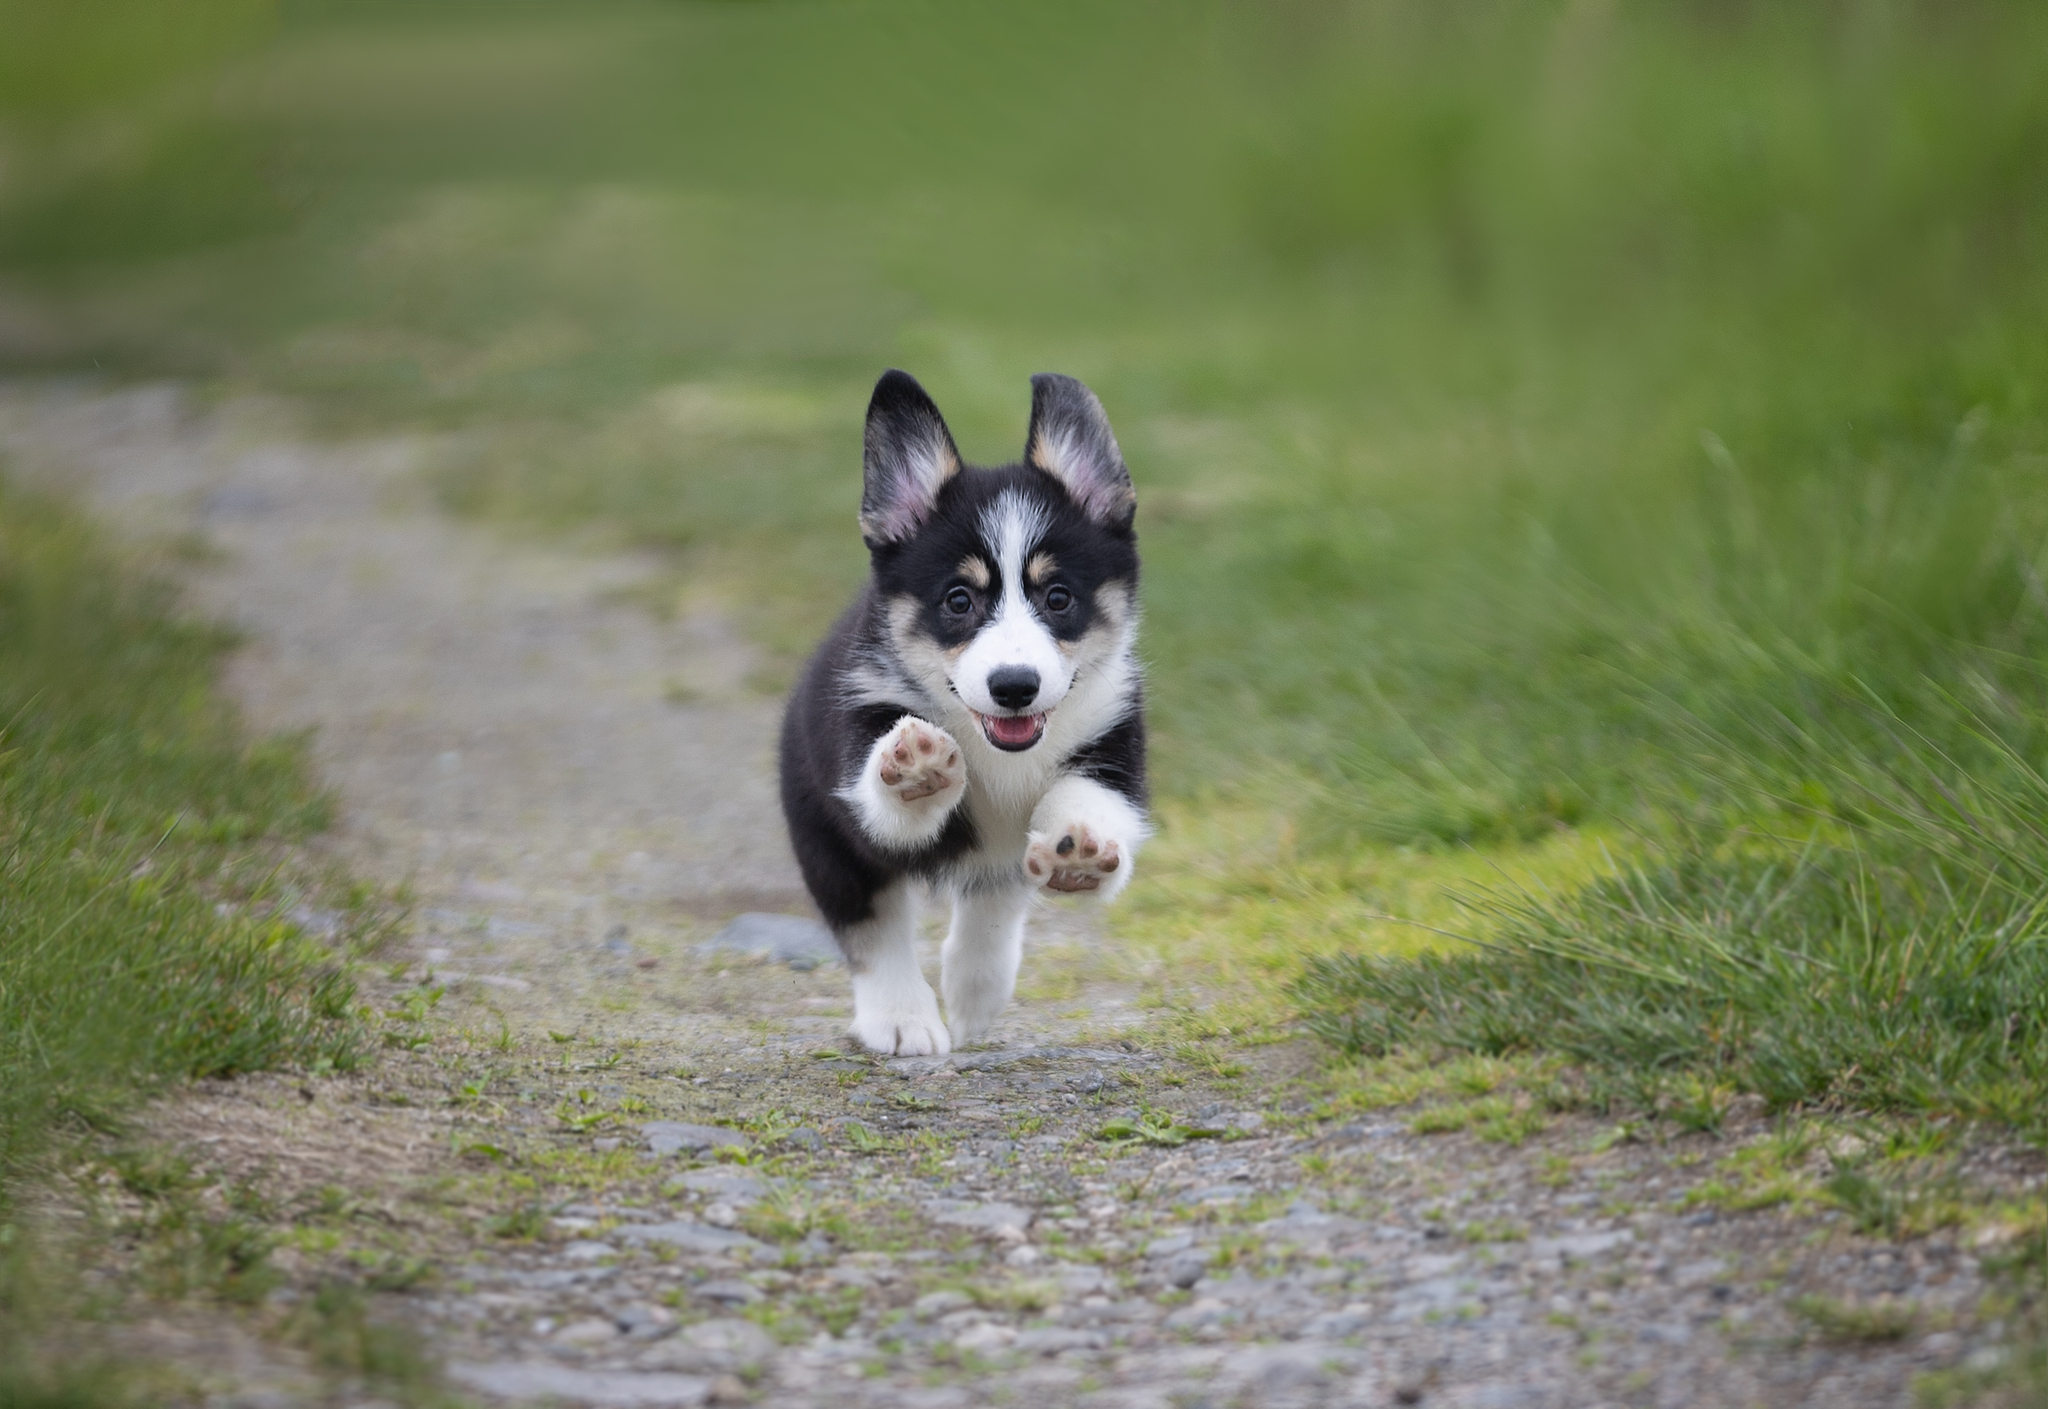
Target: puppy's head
(1004, 586)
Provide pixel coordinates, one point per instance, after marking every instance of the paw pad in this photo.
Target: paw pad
(917, 760)
(1072, 859)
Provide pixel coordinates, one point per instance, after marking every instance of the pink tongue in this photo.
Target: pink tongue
(1016, 729)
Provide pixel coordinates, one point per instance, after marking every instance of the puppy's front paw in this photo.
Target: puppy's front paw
(912, 1029)
(1072, 858)
(915, 761)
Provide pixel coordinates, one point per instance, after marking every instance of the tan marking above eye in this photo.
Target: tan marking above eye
(975, 571)
(1041, 568)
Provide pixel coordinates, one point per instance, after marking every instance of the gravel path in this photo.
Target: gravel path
(606, 1162)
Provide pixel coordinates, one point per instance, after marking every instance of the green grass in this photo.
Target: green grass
(141, 939)
(145, 884)
(1557, 426)
(1884, 947)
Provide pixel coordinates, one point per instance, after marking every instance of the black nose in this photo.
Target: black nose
(1013, 686)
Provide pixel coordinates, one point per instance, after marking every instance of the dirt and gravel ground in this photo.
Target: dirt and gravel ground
(603, 1163)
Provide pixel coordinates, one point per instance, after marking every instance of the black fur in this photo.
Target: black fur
(918, 537)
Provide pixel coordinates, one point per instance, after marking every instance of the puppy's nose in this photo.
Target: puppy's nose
(1013, 686)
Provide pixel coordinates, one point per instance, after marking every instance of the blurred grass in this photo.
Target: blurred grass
(140, 939)
(1539, 409)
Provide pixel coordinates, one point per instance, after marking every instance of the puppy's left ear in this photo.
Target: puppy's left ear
(1071, 441)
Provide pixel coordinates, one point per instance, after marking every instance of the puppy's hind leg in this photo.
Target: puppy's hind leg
(981, 956)
(894, 1010)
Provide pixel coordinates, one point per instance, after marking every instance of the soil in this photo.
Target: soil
(603, 1161)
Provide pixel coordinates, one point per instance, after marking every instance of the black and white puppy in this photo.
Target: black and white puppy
(975, 720)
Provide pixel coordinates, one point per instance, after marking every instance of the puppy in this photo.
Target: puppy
(975, 721)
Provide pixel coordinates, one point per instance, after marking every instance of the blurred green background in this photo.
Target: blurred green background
(1514, 389)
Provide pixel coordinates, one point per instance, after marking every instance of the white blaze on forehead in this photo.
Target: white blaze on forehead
(1012, 526)
(1014, 635)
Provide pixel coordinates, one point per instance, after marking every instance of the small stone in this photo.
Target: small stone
(1056, 1340)
(983, 1337)
(1024, 1255)
(721, 1215)
(729, 1389)
(699, 1238)
(1579, 1247)
(730, 1291)
(724, 1185)
(644, 1321)
(1280, 1367)
(584, 1250)
(746, 1342)
(782, 939)
(1201, 1313)
(608, 1389)
(1003, 1222)
(591, 1332)
(933, 1304)
(1506, 1397)
(668, 1137)
(1700, 1273)
(1334, 1325)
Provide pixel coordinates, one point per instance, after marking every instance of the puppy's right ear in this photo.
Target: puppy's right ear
(907, 456)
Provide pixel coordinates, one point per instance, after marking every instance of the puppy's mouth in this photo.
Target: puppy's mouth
(1013, 733)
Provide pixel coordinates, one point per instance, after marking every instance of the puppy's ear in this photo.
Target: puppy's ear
(1071, 441)
(907, 455)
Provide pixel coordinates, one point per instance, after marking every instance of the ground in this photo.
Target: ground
(602, 1161)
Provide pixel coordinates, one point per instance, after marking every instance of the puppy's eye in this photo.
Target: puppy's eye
(1058, 598)
(959, 602)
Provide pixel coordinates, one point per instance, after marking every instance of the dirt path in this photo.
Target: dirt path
(608, 1165)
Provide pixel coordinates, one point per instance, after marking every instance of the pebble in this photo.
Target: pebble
(690, 1237)
(983, 1337)
(602, 1389)
(1003, 1221)
(933, 1304)
(730, 1291)
(783, 939)
(668, 1137)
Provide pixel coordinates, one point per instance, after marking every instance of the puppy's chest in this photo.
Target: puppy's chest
(1001, 818)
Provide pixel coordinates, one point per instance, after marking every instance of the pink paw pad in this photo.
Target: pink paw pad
(919, 760)
(1072, 859)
